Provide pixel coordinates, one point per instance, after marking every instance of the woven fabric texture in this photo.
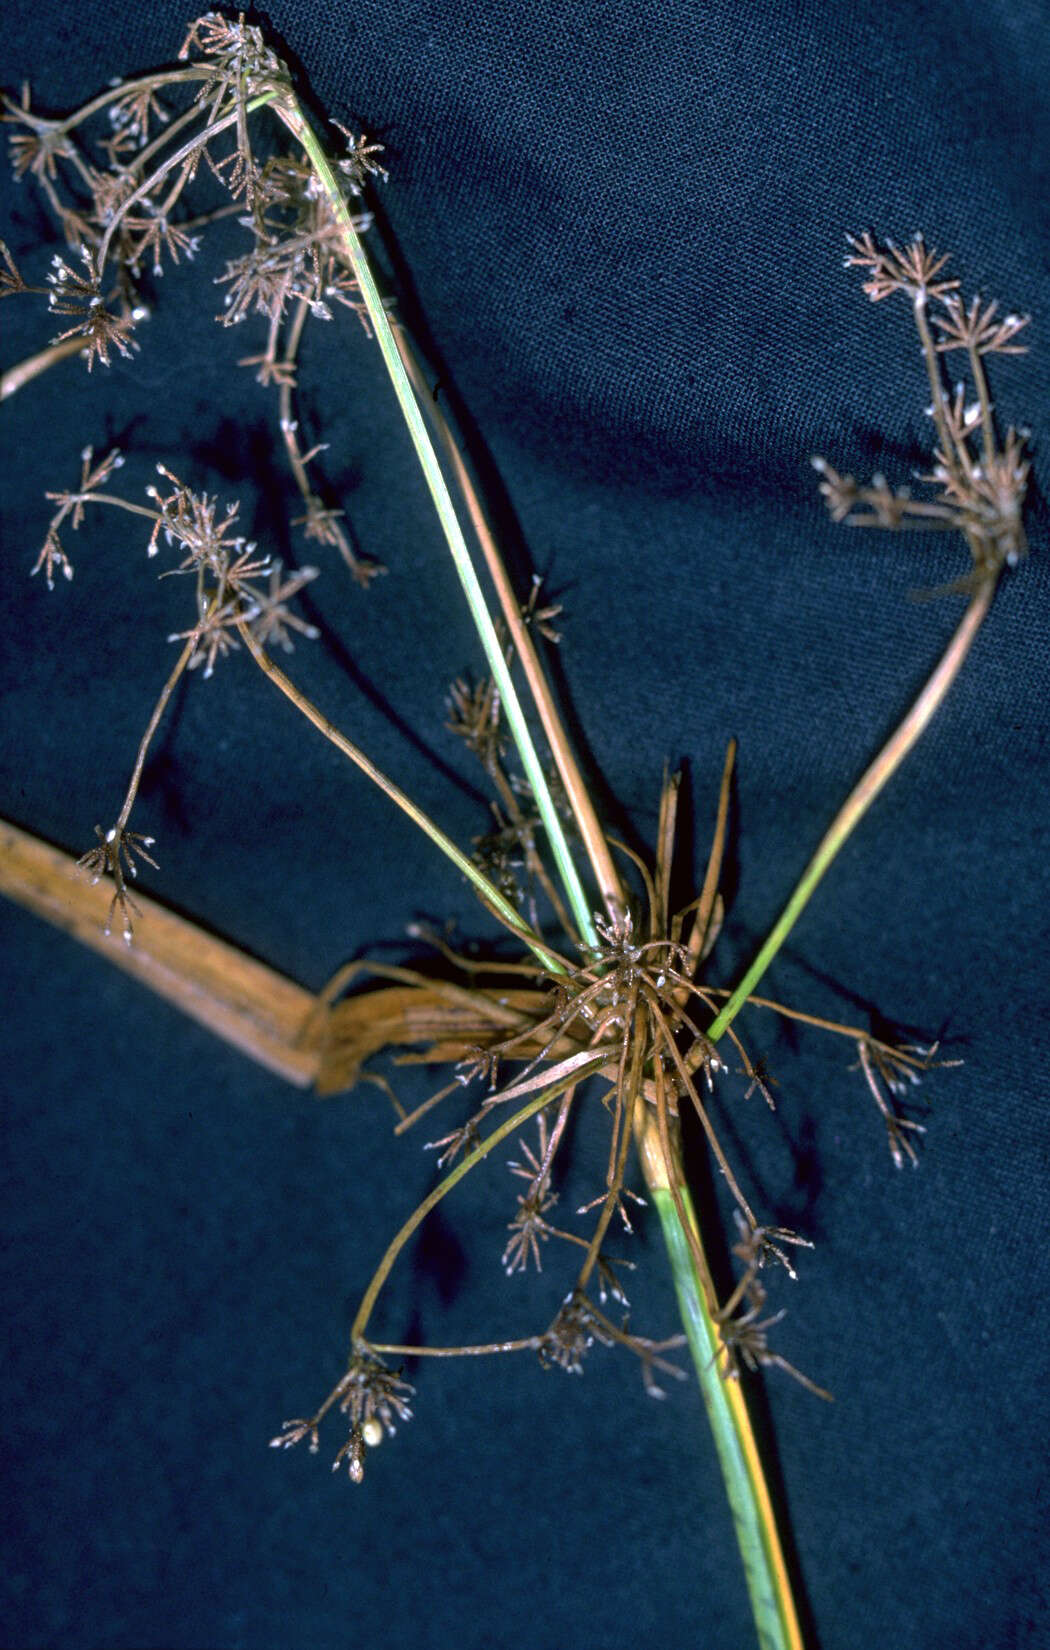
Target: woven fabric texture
(618, 229)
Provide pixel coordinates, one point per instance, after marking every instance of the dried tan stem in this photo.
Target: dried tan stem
(528, 1344)
(16, 377)
(242, 1001)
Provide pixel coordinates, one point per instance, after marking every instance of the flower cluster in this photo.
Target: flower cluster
(372, 1397)
(980, 479)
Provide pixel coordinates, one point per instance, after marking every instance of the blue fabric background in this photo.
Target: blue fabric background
(621, 229)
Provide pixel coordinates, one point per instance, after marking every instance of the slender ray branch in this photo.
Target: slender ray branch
(25, 371)
(121, 89)
(838, 1028)
(862, 796)
(529, 1343)
(451, 1180)
(489, 893)
(184, 154)
(151, 727)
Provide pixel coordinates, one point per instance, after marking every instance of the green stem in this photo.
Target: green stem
(292, 116)
(766, 1574)
(771, 1603)
(861, 798)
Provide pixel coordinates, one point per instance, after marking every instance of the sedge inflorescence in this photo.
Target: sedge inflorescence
(617, 1012)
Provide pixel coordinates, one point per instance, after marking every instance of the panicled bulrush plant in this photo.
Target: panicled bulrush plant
(608, 1001)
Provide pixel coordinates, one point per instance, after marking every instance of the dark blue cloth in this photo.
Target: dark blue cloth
(620, 229)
